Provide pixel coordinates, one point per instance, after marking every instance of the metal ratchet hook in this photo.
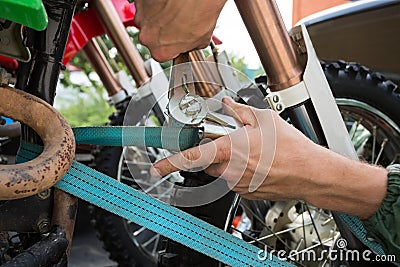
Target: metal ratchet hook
(184, 106)
(188, 108)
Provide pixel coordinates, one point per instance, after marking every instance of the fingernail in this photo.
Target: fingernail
(227, 100)
(154, 172)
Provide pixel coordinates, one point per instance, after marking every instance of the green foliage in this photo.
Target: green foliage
(239, 64)
(82, 104)
(143, 50)
(89, 107)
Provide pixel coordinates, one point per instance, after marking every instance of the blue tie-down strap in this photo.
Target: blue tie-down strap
(172, 138)
(136, 206)
(358, 229)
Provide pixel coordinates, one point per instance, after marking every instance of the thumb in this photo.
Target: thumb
(196, 157)
(243, 113)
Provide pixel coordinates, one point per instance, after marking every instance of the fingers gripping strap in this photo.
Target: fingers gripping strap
(131, 204)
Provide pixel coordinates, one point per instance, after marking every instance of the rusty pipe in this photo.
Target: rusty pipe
(120, 38)
(104, 51)
(272, 42)
(202, 72)
(101, 66)
(29, 178)
(198, 68)
(10, 130)
(64, 214)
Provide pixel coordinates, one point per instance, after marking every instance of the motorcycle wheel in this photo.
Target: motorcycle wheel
(370, 107)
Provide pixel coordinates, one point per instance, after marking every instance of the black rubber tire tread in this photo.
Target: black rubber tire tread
(110, 228)
(354, 81)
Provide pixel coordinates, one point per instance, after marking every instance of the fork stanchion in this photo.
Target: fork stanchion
(272, 42)
(117, 32)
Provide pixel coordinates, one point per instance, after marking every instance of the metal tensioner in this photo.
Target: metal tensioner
(190, 109)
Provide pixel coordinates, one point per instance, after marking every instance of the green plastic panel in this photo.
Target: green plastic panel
(30, 13)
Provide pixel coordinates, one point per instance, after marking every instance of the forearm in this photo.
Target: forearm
(338, 183)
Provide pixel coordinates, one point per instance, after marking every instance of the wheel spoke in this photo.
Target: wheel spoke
(151, 240)
(313, 246)
(313, 222)
(263, 223)
(373, 143)
(279, 233)
(381, 150)
(266, 246)
(167, 192)
(394, 159)
(129, 162)
(303, 223)
(143, 151)
(354, 131)
(314, 225)
(156, 184)
(138, 232)
(155, 247)
(130, 179)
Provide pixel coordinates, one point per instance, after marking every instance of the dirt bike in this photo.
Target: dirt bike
(347, 80)
(175, 252)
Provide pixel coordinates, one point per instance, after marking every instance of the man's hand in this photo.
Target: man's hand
(171, 27)
(255, 161)
(270, 159)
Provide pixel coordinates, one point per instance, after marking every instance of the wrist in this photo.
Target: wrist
(376, 182)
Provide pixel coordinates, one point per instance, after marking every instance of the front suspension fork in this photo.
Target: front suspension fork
(302, 90)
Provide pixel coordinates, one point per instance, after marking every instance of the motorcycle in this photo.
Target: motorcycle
(46, 58)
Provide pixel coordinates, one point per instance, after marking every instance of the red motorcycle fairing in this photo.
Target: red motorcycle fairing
(87, 24)
(8, 63)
